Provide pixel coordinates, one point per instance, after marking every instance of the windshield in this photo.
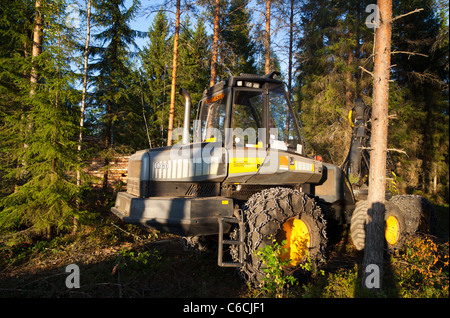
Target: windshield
(283, 130)
(257, 115)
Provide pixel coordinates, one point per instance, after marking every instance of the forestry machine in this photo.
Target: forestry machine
(244, 177)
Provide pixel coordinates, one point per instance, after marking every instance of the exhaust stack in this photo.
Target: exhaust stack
(187, 115)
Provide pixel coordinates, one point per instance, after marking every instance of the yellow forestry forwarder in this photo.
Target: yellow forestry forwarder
(246, 179)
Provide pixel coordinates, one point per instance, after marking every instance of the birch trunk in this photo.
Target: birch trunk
(83, 107)
(36, 45)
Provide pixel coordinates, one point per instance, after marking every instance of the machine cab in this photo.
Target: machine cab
(250, 111)
(252, 119)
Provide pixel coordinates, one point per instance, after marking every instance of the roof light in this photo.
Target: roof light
(248, 84)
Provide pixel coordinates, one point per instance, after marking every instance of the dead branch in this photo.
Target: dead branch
(428, 77)
(404, 15)
(397, 150)
(393, 116)
(369, 72)
(131, 234)
(30, 232)
(409, 53)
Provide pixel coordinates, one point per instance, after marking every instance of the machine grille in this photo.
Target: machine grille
(201, 189)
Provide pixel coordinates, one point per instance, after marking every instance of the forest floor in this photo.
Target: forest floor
(118, 260)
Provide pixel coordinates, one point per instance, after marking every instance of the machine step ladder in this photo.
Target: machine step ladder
(240, 243)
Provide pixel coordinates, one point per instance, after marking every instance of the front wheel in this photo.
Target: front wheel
(288, 216)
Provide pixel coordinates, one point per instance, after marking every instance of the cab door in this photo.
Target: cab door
(246, 138)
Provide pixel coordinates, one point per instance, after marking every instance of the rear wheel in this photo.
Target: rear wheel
(419, 213)
(288, 216)
(395, 228)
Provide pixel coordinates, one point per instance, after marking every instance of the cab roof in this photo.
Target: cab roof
(233, 81)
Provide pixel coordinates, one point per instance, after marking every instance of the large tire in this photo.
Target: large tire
(393, 217)
(419, 213)
(266, 213)
(358, 224)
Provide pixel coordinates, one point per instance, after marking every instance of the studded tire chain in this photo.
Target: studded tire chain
(419, 213)
(264, 214)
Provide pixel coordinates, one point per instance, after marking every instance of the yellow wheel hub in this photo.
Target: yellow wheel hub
(297, 237)
(392, 230)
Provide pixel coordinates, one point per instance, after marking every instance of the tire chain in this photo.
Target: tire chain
(261, 199)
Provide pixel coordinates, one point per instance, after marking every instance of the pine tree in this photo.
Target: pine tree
(334, 56)
(173, 85)
(215, 43)
(200, 53)
(267, 36)
(376, 199)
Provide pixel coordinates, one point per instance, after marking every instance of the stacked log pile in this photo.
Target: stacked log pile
(116, 168)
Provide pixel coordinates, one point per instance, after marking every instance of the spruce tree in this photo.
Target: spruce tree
(156, 60)
(38, 133)
(335, 42)
(421, 100)
(118, 113)
(238, 46)
(194, 64)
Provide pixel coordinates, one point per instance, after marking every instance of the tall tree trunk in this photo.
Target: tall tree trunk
(110, 109)
(174, 75)
(359, 12)
(348, 79)
(36, 45)
(36, 49)
(82, 108)
(215, 47)
(374, 244)
(291, 45)
(84, 93)
(267, 40)
(290, 58)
